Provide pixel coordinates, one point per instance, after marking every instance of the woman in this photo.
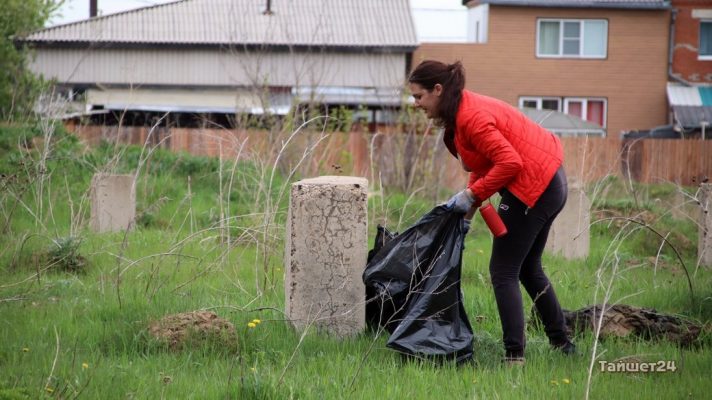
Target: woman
(504, 152)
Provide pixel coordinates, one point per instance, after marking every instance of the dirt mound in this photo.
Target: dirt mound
(622, 320)
(178, 329)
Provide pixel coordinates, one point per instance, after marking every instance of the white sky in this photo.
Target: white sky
(435, 20)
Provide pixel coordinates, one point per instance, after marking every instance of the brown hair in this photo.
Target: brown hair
(452, 78)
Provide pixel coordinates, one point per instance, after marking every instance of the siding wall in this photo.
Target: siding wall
(219, 68)
(632, 78)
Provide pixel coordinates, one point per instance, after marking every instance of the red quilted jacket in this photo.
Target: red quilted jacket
(502, 148)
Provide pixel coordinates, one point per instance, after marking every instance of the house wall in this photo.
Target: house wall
(195, 67)
(687, 41)
(632, 78)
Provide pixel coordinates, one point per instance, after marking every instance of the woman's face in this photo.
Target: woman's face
(427, 100)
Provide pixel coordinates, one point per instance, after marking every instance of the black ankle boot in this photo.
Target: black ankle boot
(567, 348)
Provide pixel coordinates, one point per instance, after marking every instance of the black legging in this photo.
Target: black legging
(516, 257)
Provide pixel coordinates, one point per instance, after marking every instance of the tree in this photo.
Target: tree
(18, 86)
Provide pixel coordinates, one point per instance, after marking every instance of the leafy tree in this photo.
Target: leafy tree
(18, 86)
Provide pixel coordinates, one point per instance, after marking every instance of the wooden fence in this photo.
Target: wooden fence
(409, 161)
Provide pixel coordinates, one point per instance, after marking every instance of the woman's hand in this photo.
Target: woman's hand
(463, 201)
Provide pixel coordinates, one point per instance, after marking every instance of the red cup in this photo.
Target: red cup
(493, 220)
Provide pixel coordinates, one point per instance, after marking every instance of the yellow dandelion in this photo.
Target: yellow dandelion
(566, 381)
(49, 389)
(85, 365)
(256, 321)
(480, 251)
(555, 383)
(251, 325)
(25, 349)
(253, 369)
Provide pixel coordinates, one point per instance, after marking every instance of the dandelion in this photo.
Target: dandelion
(251, 325)
(555, 383)
(566, 381)
(253, 369)
(85, 365)
(256, 321)
(480, 251)
(49, 389)
(25, 349)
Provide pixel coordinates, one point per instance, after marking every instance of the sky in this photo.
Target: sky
(435, 20)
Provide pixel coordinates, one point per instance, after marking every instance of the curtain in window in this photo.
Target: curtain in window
(706, 38)
(549, 38)
(575, 108)
(594, 38)
(594, 111)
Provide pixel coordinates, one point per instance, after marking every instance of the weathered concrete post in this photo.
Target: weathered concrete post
(326, 249)
(570, 234)
(704, 243)
(113, 202)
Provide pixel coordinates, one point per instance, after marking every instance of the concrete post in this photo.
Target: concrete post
(570, 234)
(326, 249)
(704, 246)
(113, 202)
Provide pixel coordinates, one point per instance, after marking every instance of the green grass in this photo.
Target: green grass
(84, 334)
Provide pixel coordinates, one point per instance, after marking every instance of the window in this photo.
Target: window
(541, 103)
(705, 40)
(593, 110)
(589, 109)
(572, 38)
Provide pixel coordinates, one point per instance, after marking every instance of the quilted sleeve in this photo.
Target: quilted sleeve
(482, 134)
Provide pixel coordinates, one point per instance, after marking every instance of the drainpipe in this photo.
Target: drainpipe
(92, 8)
(673, 17)
(268, 8)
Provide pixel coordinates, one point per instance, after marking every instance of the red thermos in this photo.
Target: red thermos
(493, 221)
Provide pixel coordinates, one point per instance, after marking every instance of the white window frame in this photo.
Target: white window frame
(706, 57)
(584, 107)
(561, 54)
(539, 100)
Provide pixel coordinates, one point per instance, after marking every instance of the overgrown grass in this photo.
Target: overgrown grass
(68, 335)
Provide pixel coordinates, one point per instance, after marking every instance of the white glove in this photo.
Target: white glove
(461, 202)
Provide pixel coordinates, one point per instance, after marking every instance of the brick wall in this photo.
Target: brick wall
(687, 41)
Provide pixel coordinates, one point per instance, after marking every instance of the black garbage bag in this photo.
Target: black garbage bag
(413, 287)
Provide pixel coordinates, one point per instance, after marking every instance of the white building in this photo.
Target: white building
(233, 56)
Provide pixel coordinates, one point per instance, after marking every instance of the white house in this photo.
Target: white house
(234, 56)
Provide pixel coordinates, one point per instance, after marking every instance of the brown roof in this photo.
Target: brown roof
(631, 4)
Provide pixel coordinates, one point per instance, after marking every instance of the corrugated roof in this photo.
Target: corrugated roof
(679, 95)
(632, 4)
(362, 23)
(692, 117)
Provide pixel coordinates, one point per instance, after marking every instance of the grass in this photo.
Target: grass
(67, 334)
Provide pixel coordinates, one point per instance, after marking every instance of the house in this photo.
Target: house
(690, 86)
(216, 58)
(604, 61)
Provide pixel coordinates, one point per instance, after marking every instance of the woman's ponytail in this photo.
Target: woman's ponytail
(452, 78)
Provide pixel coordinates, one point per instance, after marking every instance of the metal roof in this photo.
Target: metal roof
(680, 95)
(692, 117)
(337, 23)
(563, 124)
(630, 4)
